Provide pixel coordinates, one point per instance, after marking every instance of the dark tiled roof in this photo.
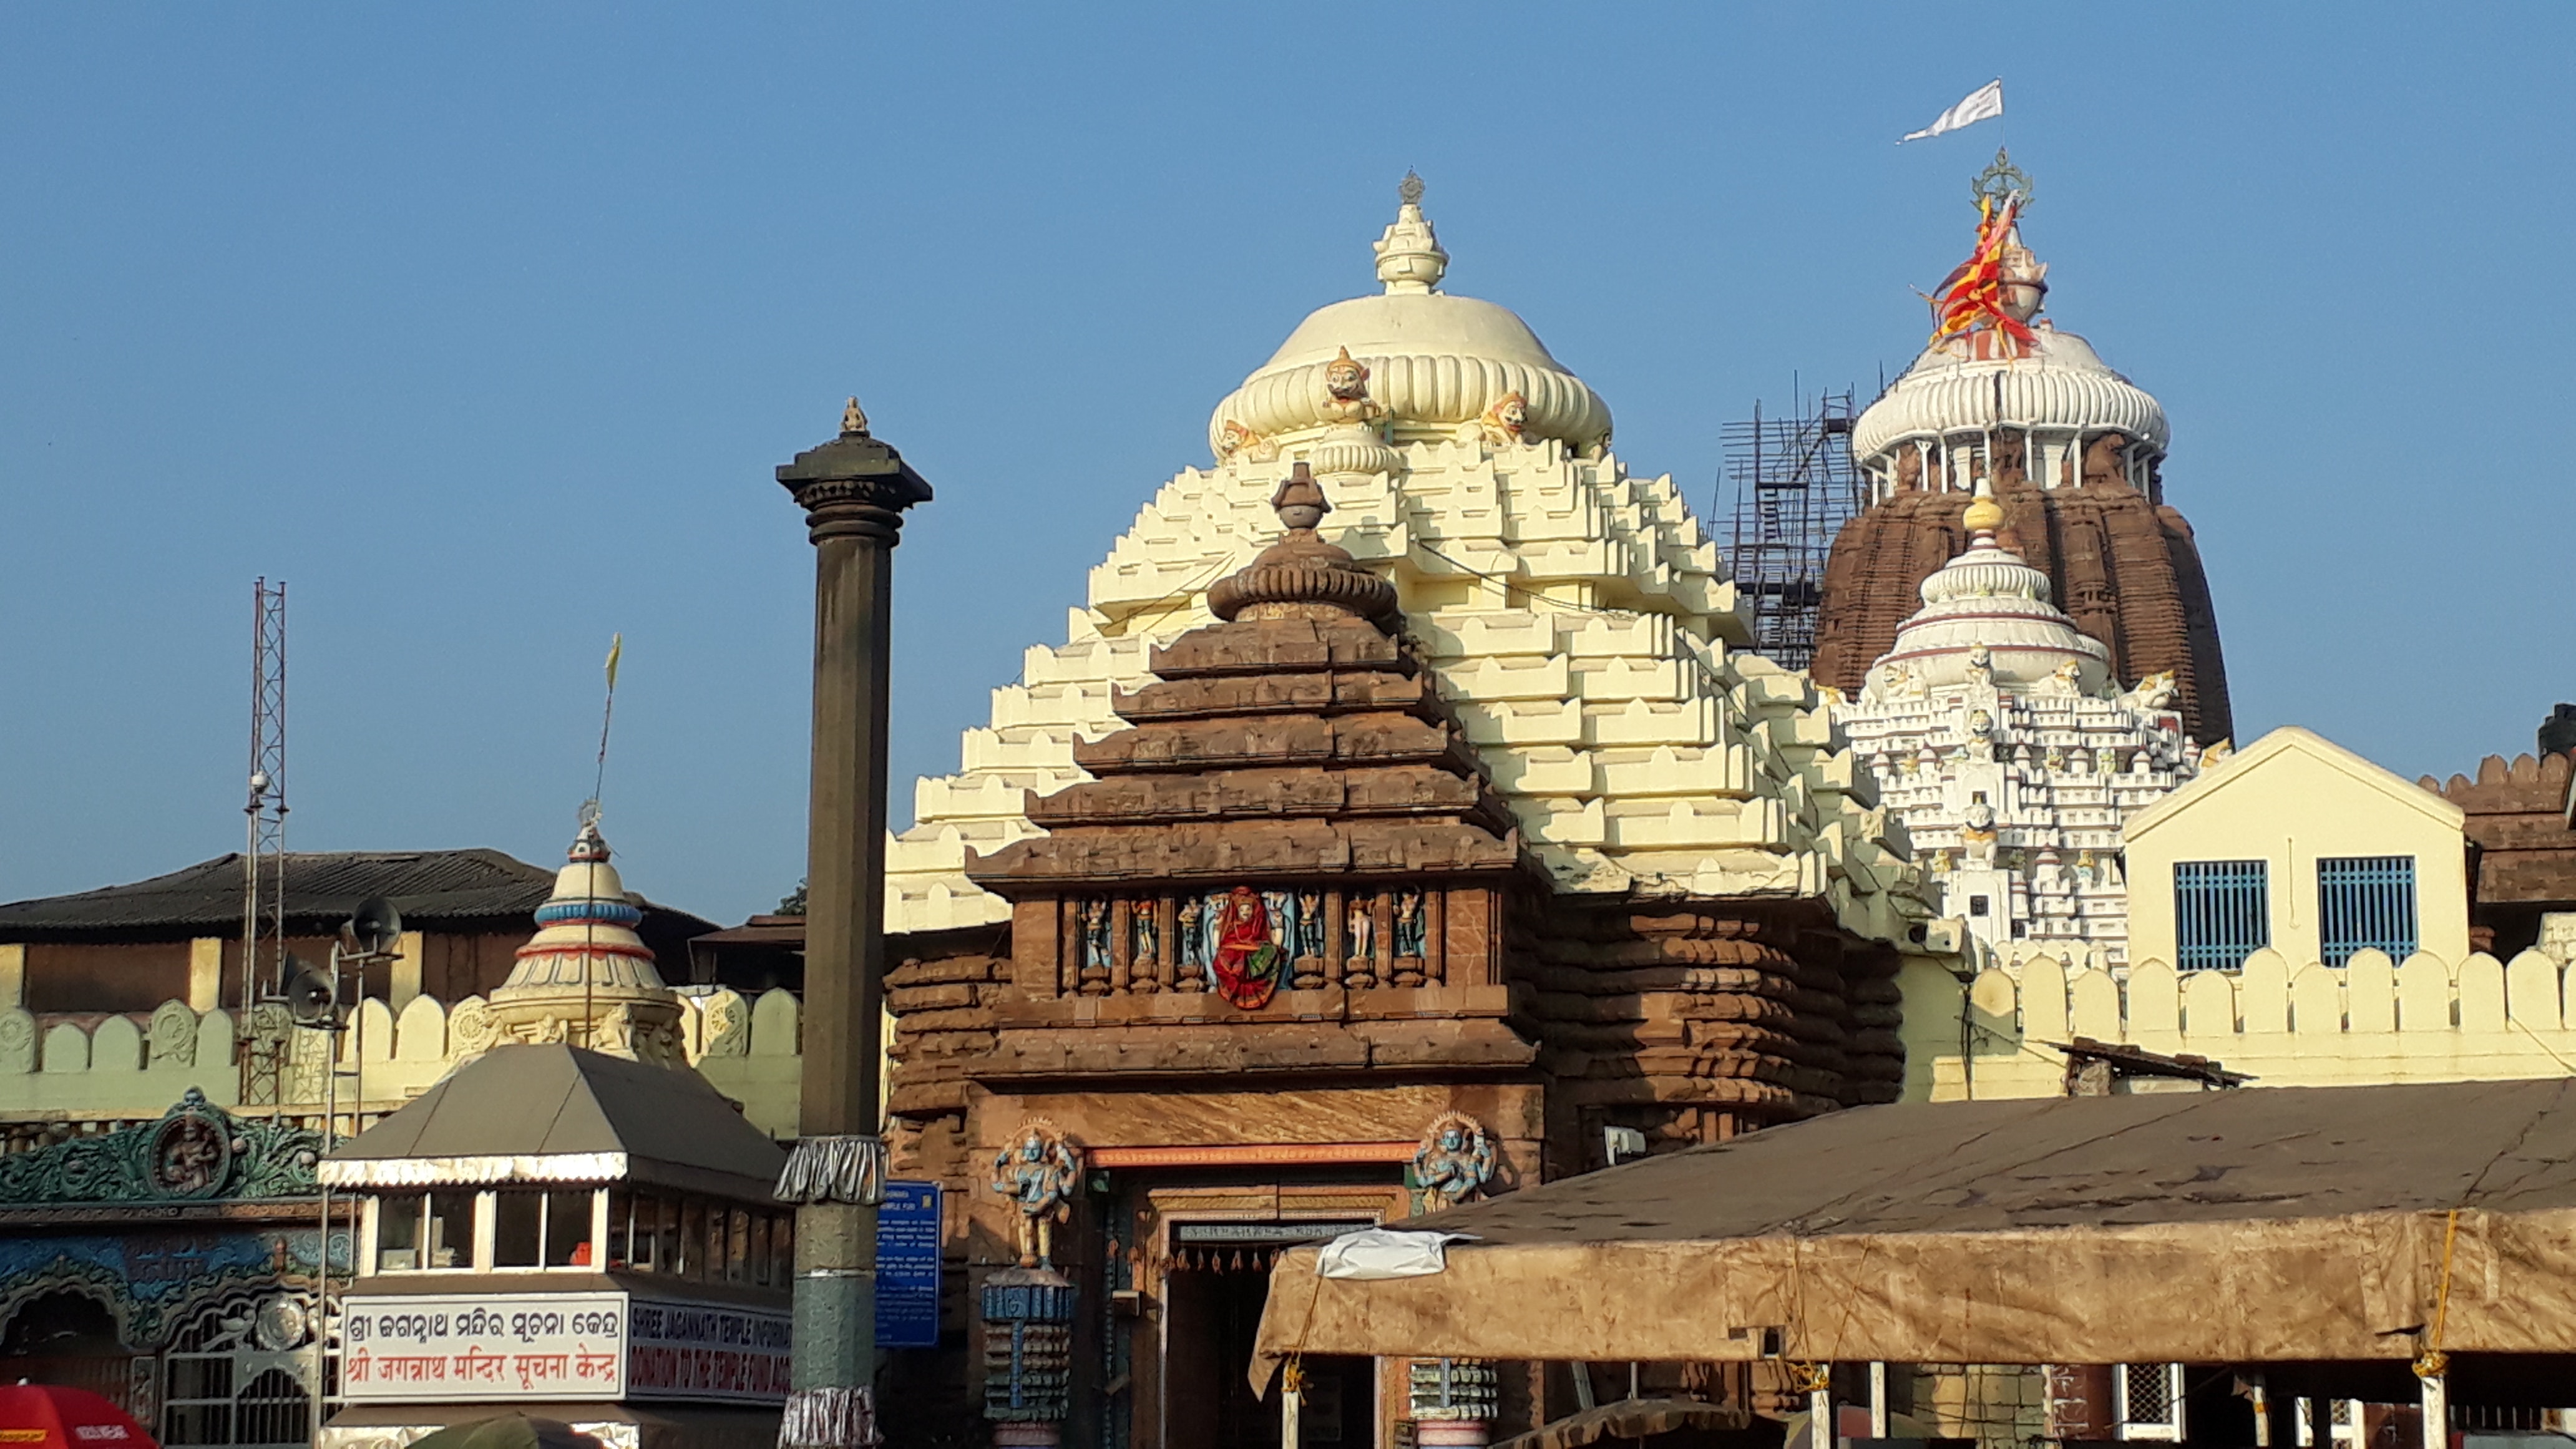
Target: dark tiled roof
(430, 887)
(521, 1102)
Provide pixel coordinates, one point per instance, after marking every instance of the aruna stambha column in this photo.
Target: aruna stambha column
(854, 491)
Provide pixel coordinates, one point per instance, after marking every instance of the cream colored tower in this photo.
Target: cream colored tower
(1578, 620)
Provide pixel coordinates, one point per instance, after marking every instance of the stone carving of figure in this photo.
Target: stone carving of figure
(1282, 906)
(1981, 723)
(1909, 468)
(1346, 387)
(2154, 692)
(1360, 931)
(2105, 463)
(1095, 935)
(1143, 942)
(1310, 925)
(2085, 868)
(2009, 464)
(1237, 440)
(1248, 962)
(1981, 664)
(1410, 927)
(1502, 424)
(1192, 946)
(1038, 1172)
(2066, 679)
(1454, 1162)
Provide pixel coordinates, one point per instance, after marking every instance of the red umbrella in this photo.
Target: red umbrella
(50, 1416)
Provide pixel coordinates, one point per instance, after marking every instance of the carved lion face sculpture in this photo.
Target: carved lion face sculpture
(1345, 378)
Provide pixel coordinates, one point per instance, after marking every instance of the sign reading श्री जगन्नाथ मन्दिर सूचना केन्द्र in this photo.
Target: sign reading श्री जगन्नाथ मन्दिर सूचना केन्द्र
(561, 1346)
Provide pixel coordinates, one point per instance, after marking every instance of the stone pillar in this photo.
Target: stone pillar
(854, 491)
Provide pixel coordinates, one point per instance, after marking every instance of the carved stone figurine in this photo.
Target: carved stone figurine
(1240, 441)
(1410, 928)
(1346, 386)
(1038, 1173)
(1360, 931)
(1502, 424)
(1454, 1162)
(1095, 935)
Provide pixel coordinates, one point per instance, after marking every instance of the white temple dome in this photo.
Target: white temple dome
(1989, 611)
(1435, 360)
(2059, 386)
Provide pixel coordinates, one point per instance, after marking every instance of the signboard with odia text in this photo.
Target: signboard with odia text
(560, 1346)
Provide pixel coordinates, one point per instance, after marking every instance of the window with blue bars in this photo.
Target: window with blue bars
(2366, 902)
(2222, 912)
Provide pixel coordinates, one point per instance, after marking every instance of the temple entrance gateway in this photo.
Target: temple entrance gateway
(1215, 1286)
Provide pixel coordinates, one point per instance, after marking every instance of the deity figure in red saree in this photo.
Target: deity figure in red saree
(1247, 960)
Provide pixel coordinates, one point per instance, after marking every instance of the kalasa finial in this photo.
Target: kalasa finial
(854, 422)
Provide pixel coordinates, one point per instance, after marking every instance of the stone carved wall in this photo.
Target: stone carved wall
(2526, 854)
(2125, 569)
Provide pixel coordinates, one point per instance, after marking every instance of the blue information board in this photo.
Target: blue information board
(908, 1266)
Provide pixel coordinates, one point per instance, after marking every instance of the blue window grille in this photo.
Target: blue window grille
(2222, 912)
(2366, 901)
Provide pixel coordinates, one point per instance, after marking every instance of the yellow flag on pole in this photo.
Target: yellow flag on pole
(616, 646)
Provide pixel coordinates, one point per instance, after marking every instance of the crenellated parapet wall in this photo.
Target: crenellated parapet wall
(120, 1066)
(2370, 1021)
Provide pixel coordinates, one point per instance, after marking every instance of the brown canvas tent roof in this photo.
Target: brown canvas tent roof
(2249, 1226)
(561, 1114)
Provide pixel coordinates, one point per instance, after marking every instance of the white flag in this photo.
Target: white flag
(1984, 103)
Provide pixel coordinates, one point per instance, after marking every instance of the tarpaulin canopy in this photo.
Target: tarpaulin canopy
(2247, 1226)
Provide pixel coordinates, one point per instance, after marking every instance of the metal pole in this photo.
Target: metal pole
(1878, 1400)
(854, 490)
(2437, 1411)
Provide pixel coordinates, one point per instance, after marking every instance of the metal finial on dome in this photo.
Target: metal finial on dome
(2001, 180)
(1409, 258)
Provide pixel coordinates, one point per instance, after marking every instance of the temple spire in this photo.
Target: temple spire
(1409, 258)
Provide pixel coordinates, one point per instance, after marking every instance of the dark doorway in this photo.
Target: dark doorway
(69, 1338)
(1213, 1313)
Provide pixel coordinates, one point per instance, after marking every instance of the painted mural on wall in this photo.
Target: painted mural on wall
(197, 1151)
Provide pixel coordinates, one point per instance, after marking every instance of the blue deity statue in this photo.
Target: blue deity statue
(1189, 942)
(1410, 926)
(1454, 1162)
(1038, 1173)
(1095, 935)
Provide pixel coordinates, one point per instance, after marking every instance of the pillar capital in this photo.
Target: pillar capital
(853, 485)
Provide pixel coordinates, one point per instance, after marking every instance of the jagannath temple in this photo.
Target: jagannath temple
(1401, 821)
(2075, 454)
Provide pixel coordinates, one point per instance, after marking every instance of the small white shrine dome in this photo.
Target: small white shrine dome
(1988, 612)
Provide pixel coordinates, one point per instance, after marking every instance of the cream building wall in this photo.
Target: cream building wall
(117, 1069)
(2372, 1021)
(2289, 799)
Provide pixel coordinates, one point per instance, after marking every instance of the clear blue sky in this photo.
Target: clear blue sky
(484, 325)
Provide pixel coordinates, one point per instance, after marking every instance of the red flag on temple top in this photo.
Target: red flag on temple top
(1971, 296)
(52, 1416)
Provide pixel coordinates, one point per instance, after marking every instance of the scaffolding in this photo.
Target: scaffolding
(1795, 487)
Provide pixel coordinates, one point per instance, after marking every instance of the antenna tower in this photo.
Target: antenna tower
(264, 856)
(1795, 487)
